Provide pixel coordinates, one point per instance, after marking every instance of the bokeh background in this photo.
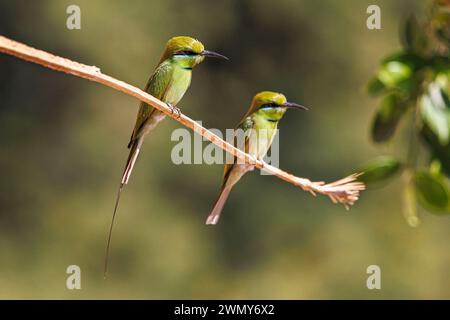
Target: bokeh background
(63, 147)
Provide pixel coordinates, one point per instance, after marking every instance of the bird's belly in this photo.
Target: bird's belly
(181, 79)
(152, 121)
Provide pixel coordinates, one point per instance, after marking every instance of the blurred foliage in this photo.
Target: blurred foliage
(415, 84)
(63, 146)
(380, 169)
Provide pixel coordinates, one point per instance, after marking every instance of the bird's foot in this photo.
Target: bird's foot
(174, 109)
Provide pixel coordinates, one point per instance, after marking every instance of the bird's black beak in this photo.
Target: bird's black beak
(294, 106)
(213, 54)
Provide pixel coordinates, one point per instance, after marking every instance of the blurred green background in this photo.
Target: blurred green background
(63, 147)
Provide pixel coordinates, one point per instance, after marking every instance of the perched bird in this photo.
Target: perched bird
(259, 127)
(169, 82)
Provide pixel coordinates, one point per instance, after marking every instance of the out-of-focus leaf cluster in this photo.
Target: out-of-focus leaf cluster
(414, 84)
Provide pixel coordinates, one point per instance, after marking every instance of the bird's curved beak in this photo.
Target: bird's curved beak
(212, 54)
(294, 106)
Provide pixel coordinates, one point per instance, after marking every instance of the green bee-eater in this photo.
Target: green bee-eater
(259, 127)
(169, 82)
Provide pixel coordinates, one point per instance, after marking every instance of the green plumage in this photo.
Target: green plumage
(169, 82)
(259, 127)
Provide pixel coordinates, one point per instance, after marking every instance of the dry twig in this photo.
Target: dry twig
(345, 191)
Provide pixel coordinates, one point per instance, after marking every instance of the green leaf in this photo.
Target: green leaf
(437, 107)
(435, 167)
(443, 81)
(435, 112)
(438, 151)
(379, 169)
(446, 98)
(408, 59)
(432, 192)
(375, 87)
(394, 72)
(410, 205)
(441, 64)
(435, 119)
(386, 120)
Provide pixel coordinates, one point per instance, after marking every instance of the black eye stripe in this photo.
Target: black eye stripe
(269, 105)
(186, 53)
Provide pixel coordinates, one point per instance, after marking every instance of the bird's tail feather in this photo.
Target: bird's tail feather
(135, 147)
(218, 206)
(105, 270)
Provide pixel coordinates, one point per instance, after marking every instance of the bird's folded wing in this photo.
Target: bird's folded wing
(244, 127)
(156, 86)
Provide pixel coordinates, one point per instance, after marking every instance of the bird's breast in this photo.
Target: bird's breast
(261, 136)
(181, 79)
(260, 141)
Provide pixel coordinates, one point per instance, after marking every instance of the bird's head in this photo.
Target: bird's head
(272, 105)
(187, 51)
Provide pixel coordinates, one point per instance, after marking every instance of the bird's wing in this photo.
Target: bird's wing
(246, 125)
(157, 86)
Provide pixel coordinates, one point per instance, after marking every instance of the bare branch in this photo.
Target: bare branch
(345, 191)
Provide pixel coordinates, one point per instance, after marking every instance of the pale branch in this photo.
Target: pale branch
(345, 191)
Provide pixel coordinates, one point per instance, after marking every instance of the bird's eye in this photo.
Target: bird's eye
(186, 53)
